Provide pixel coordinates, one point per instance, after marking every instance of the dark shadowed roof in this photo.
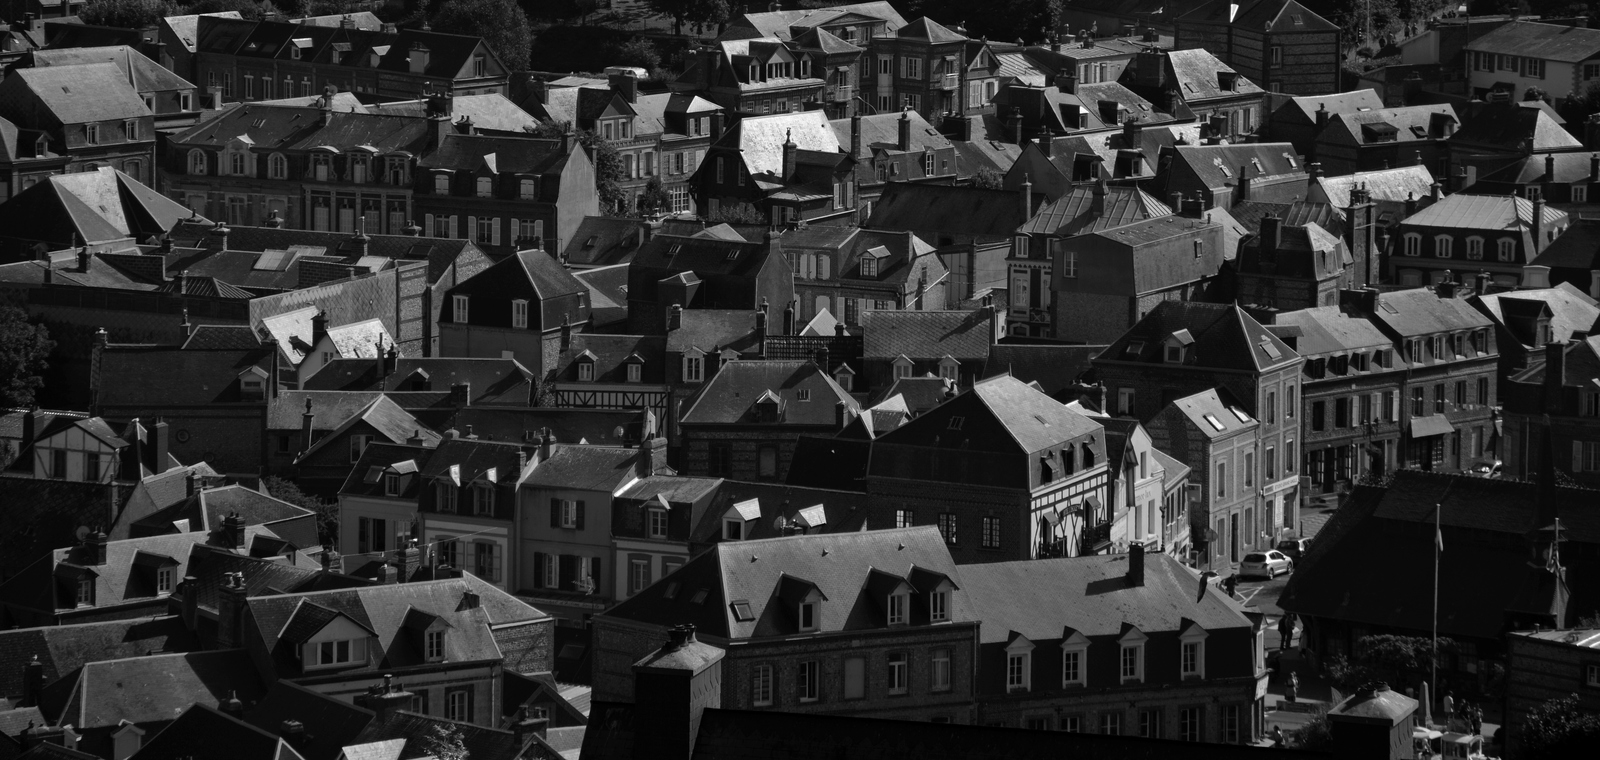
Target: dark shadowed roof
(151, 689)
(1053, 367)
(952, 210)
(731, 395)
(330, 723)
(65, 648)
(1225, 337)
(963, 335)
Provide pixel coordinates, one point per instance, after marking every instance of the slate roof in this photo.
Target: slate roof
(438, 252)
(760, 140)
(1577, 248)
(584, 468)
(479, 741)
(225, 337)
(1571, 310)
(1382, 185)
(1387, 126)
(1091, 595)
(64, 649)
(82, 93)
(608, 293)
(163, 376)
(203, 731)
(880, 134)
(1225, 337)
(185, 27)
(209, 506)
(1550, 42)
(383, 610)
(1484, 212)
(1484, 525)
(927, 29)
(712, 330)
(208, 287)
(752, 571)
(921, 393)
(1327, 330)
(918, 335)
(1053, 367)
(156, 492)
(1213, 404)
(1073, 213)
(1569, 168)
(386, 418)
(514, 155)
(1217, 165)
(155, 688)
(603, 240)
(954, 210)
(973, 155)
(777, 23)
(1296, 214)
(143, 74)
(1512, 128)
(611, 356)
(1420, 311)
(294, 128)
(730, 396)
(493, 381)
(1307, 106)
(330, 723)
(494, 112)
(1282, 16)
(595, 427)
(98, 206)
(1195, 75)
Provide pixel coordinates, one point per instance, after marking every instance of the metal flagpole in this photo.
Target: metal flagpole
(1438, 547)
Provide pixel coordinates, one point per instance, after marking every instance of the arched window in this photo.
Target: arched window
(1475, 248)
(1508, 249)
(278, 166)
(1442, 246)
(197, 161)
(1413, 244)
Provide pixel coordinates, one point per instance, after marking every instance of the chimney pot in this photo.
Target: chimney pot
(1136, 564)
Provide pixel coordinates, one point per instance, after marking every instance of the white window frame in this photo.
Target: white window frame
(1076, 645)
(761, 686)
(899, 608)
(656, 520)
(1133, 643)
(939, 676)
(1413, 244)
(694, 367)
(519, 313)
(1194, 637)
(808, 615)
(939, 606)
(462, 309)
(433, 645)
(1019, 665)
(164, 579)
(1443, 246)
(1475, 248)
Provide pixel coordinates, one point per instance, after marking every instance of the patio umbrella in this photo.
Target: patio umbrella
(1427, 706)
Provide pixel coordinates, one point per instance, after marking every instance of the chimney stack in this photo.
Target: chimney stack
(1027, 197)
(96, 543)
(32, 683)
(1244, 185)
(230, 611)
(905, 129)
(306, 419)
(672, 687)
(386, 699)
(1538, 228)
(790, 154)
(319, 326)
(675, 317)
(1136, 564)
(233, 530)
(1555, 375)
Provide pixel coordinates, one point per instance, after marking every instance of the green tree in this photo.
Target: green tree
(1357, 17)
(442, 741)
(989, 178)
(654, 199)
(501, 23)
(636, 52)
(24, 352)
(1535, 93)
(128, 14)
(1558, 728)
(1315, 735)
(700, 13)
(327, 512)
(609, 170)
(737, 213)
(245, 8)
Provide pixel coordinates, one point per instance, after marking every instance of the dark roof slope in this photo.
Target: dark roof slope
(66, 648)
(952, 210)
(731, 395)
(1225, 337)
(962, 335)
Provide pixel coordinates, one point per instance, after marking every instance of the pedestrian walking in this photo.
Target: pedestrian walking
(1477, 721)
(1449, 706)
(1292, 688)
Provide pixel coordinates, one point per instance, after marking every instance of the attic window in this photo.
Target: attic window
(1216, 423)
(1271, 350)
(1239, 413)
(1257, 163)
(1290, 158)
(1297, 19)
(258, 123)
(671, 591)
(1418, 131)
(674, 249)
(592, 241)
(956, 422)
(742, 613)
(1135, 347)
(1217, 162)
(733, 253)
(699, 596)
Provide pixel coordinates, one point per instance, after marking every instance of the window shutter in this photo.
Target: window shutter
(538, 570)
(453, 226)
(1577, 456)
(472, 228)
(427, 225)
(516, 230)
(579, 520)
(555, 513)
(594, 573)
(494, 235)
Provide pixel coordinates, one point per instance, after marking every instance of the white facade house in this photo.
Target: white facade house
(1563, 61)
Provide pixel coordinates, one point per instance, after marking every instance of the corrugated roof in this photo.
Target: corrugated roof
(1074, 213)
(1382, 185)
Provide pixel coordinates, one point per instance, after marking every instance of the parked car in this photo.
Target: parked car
(1485, 469)
(1267, 564)
(1294, 548)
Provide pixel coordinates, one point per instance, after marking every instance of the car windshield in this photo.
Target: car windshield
(1255, 558)
(1286, 545)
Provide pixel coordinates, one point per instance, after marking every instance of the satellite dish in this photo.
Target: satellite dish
(82, 532)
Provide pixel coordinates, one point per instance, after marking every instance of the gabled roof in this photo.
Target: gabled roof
(1571, 310)
(927, 29)
(729, 396)
(1305, 107)
(152, 689)
(386, 418)
(1283, 16)
(82, 93)
(63, 649)
(1420, 311)
(750, 572)
(1406, 124)
(1550, 42)
(926, 335)
(1512, 128)
(330, 723)
(1090, 595)
(1194, 75)
(778, 23)
(1225, 337)
(202, 730)
(383, 609)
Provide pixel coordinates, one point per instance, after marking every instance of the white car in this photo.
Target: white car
(1267, 564)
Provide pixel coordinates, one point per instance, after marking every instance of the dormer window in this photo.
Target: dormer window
(328, 654)
(441, 184)
(1074, 660)
(433, 646)
(391, 484)
(519, 314)
(902, 368)
(949, 368)
(585, 369)
(736, 520)
(694, 366)
(485, 187)
(528, 189)
(808, 616)
(939, 606)
(899, 604)
(1131, 659)
(869, 266)
(164, 579)
(1019, 665)
(635, 372)
(656, 521)
(1174, 353)
(197, 159)
(1192, 653)
(461, 306)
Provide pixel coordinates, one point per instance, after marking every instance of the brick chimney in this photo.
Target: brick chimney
(905, 129)
(230, 611)
(672, 687)
(32, 683)
(790, 153)
(406, 559)
(385, 699)
(1136, 564)
(233, 530)
(1555, 375)
(96, 546)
